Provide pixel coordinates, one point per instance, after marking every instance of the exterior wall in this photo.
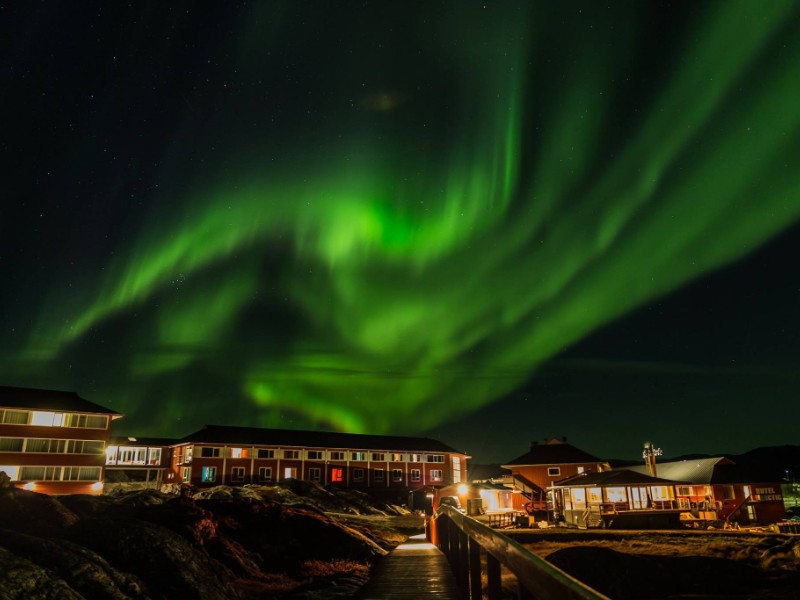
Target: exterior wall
(56, 459)
(765, 503)
(538, 474)
(358, 474)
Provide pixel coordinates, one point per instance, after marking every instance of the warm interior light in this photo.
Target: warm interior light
(462, 489)
(30, 486)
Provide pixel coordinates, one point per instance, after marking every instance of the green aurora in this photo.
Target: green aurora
(427, 239)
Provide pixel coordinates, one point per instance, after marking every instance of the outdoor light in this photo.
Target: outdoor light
(30, 486)
(462, 489)
(97, 486)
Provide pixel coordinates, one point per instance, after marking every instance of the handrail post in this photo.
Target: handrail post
(493, 576)
(463, 564)
(475, 570)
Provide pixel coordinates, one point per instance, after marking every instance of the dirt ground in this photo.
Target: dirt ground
(674, 564)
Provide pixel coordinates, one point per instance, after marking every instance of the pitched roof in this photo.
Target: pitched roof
(122, 440)
(223, 434)
(614, 477)
(34, 399)
(695, 470)
(553, 453)
(706, 471)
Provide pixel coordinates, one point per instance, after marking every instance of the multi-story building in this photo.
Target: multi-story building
(141, 461)
(543, 465)
(218, 455)
(53, 442)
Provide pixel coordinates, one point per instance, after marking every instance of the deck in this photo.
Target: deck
(415, 569)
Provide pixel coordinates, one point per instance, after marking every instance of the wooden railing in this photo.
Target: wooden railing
(462, 539)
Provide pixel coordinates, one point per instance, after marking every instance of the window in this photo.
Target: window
(727, 492)
(415, 458)
(81, 474)
(264, 474)
(189, 454)
(435, 458)
(377, 475)
(37, 445)
(337, 455)
(337, 475)
(358, 474)
(238, 453)
(14, 417)
(186, 474)
(291, 454)
(154, 456)
(262, 453)
(436, 475)
(415, 475)
(40, 473)
(397, 475)
(456, 469)
(314, 474)
(237, 474)
(10, 471)
(395, 457)
(47, 419)
(378, 456)
(315, 455)
(208, 474)
(10, 444)
(358, 456)
(85, 421)
(581, 470)
(128, 455)
(553, 471)
(93, 447)
(290, 473)
(207, 452)
(684, 490)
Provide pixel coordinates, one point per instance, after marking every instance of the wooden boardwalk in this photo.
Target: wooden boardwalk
(415, 569)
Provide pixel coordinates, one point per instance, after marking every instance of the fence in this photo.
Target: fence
(462, 539)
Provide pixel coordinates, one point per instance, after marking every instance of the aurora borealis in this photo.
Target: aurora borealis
(384, 219)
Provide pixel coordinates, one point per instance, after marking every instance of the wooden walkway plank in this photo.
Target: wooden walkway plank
(415, 569)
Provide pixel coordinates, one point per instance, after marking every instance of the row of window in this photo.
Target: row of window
(8, 444)
(52, 419)
(26, 473)
(216, 452)
(133, 455)
(209, 474)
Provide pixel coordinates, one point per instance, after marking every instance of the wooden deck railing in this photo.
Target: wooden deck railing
(462, 539)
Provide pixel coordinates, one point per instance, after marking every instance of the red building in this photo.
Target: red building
(139, 462)
(732, 493)
(218, 455)
(542, 466)
(53, 442)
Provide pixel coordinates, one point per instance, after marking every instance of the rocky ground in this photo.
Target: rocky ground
(675, 564)
(295, 541)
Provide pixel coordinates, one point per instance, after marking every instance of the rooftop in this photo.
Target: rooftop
(555, 451)
(34, 399)
(612, 478)
(223, 434)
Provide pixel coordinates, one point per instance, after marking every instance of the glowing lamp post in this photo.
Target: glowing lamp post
(649, 454)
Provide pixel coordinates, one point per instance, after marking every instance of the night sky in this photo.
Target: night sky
(485, 222)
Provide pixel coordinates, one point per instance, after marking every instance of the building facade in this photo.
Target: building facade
(545, 464)
(139, 462)
(221, 455)
(53, 442)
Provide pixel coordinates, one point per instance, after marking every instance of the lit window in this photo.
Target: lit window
(290, 473)
(153, 456)
(208, 474)
(10, 471)
(337, 475)
(436, 475)
(581, 470)
(236, 453)
(358, 456)
(397, 457)
(186, 474)
(47, 419)
(415, 458)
